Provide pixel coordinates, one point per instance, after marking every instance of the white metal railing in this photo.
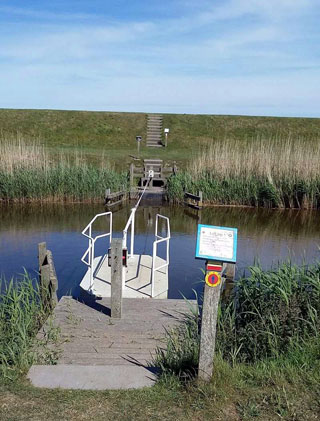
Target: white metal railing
(159, 239)
(131, 222)
(87, 232)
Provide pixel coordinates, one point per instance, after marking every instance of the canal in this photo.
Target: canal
(264, 235)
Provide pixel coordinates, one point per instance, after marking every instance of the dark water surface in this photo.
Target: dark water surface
(269, 235)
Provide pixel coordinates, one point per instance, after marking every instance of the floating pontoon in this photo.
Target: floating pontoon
(145, 276)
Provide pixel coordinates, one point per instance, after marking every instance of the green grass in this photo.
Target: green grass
(286, 389)
(234, 160)
(114, 133)
(272, 385)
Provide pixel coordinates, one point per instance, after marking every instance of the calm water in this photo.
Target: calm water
(267, 235)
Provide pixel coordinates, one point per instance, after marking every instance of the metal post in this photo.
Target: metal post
(132, 232)
(154, 256)
(91, 265)
(116, 278)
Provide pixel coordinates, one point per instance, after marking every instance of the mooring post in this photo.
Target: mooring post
(210, 306)
(42, 253)
(116, 278)
(47, 277)
(200, 199)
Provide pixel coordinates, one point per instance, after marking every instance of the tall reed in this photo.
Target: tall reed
(27, 172)
(269, 312)
(270, 315)
(21, 315)
(274, 172)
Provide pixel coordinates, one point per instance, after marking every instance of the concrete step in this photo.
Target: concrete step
(91, 377)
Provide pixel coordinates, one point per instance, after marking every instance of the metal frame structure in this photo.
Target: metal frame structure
(159, 239)
(92, 240)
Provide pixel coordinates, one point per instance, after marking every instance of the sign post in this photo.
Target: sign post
(216, 245)
(166, 132)
(138, 139)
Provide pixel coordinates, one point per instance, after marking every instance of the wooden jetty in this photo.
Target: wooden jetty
(193, 200)
(100, 352)
(158, 183)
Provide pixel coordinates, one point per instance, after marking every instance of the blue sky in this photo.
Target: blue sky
(255, 57)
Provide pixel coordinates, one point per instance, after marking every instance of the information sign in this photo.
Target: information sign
(216, 243)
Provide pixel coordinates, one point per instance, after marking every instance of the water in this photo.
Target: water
(267, 235)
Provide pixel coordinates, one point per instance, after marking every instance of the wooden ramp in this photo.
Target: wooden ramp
(98, 352)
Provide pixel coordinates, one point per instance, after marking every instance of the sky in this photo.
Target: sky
(248, 57)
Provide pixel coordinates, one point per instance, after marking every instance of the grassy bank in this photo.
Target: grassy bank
(277, 173)
(113, 134)
(267, 366)
(28, 173)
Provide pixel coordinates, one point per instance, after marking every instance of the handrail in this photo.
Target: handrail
(131, 220)
(159, 239)
(92, 240)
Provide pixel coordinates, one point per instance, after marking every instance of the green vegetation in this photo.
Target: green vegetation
(21, 315)
(234, 160)
(28, 173)
(275, 173)
(267, 365)
(113, 134)
(268, 315)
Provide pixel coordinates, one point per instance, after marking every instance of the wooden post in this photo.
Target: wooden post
(42, 253)
(116, 278)
(200, 199)
(53, 280)
(47, 277)
(208, 330)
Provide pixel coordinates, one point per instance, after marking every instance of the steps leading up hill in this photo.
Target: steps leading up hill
(154, 130)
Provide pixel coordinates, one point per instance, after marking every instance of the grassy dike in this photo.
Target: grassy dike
(267, 364)
(234, 160)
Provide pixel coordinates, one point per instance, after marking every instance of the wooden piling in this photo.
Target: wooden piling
(47, 277)
(208, 331)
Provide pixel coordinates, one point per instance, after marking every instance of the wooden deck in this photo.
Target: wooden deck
(90, 338)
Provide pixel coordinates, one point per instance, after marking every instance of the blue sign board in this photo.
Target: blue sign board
(216, 243)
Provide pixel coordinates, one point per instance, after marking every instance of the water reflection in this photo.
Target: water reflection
(269, 235)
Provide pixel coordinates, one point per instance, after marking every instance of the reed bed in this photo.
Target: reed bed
(27, 173)
(21, 315)
(270, 312)
(271, 315)
(276, 172)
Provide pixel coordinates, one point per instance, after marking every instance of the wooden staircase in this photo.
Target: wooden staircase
(154, 130)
